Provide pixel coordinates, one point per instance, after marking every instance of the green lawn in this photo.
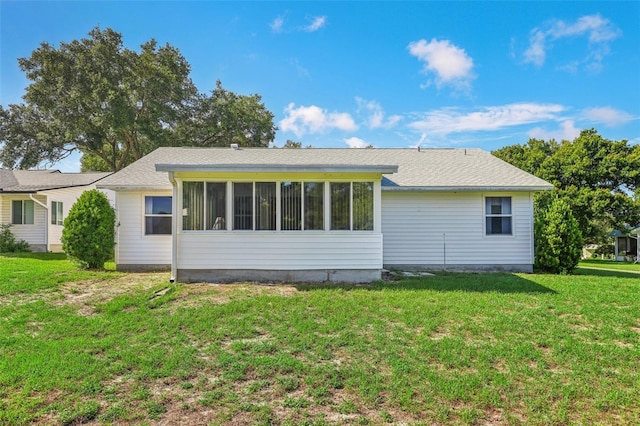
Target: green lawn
(491, 349)
(610, 264)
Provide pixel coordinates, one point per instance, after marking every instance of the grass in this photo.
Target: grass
(495, 349)
(610, 264)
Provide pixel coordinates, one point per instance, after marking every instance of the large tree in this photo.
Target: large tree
(115, 105)
(599, 178)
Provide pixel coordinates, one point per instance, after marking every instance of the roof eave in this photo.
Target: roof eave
(468, 188)
(121, 187)
(277, 168)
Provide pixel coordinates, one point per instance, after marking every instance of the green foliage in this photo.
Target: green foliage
(558, 239)
(116, 105)
(8, 242)
(88, 236)
(599, 178)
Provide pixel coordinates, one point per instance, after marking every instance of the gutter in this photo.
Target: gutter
(46, 221)
(467, 188)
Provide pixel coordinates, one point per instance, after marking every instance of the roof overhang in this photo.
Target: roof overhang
(167, 187)
(466, 188)
(277, 168)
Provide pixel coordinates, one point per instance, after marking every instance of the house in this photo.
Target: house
(35, 203)
(626, 243)
(217, 214)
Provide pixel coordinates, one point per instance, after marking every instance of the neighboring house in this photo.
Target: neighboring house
(214, 214)
(626, 243)
(35, 203)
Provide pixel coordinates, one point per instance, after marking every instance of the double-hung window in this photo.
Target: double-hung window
(22, 212)
(498, 216)
(157, 215)
(57, 213)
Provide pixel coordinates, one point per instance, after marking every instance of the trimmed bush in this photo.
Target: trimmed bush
(558, 239)
(8, 242)
(88, 236)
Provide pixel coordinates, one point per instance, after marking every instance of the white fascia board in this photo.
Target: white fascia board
(280, 168)
(467, 188)
(135, 187)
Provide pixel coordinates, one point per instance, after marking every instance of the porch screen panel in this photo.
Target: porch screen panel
(216, 202)
(313, 205)
(291, 206)
(265, 206)
(193, 206)
(340, 206)
(363, 206)
(242, 206)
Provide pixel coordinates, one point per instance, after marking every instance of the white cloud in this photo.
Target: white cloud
(450, 64)
(276, 24)
(566, 132)
(356, 142)
(376, 116)
(313, 119)
(317, 23)
(607, 115)
(599, 32)
(451, 120)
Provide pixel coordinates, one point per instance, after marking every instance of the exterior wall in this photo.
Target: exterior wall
(134, 249)
(434, 230)
(34, 234)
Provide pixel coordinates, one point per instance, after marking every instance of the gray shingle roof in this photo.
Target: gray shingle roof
(40, 180)
(435, 169)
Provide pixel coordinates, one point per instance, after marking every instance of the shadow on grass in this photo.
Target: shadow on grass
(465, 282)
(605, 273)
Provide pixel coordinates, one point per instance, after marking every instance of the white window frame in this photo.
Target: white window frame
(57, 213)
(145, 215)
(23, 212)
(488, 215)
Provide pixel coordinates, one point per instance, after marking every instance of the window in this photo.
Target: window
(56, 213)
(498, 215)
(203, 209)
(314, 205)
(242, 205)
(265, 206)
(352, 206)
(291, 206)
(157, 215)
(22, 212)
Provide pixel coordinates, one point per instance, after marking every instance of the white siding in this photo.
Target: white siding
(440, 228)
(279, 250)
(33, 234)
(68, 197)
(132, 246)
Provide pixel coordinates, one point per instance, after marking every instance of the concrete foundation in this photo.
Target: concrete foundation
(142, 268)
(38, 248)
(311, 275)
(464, 268)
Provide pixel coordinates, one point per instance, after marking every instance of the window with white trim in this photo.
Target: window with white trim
(204, 206)
(57, 213)
(498, 216)
(22, 212)
(157, 215)
(351, 206)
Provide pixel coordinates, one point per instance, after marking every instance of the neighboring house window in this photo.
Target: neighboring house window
(352, 206)
(22, 212)
(56, 213)
(203, 205)
(498, 215)
(157, 215)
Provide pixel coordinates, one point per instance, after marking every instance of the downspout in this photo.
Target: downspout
(46, 221)
(174, 230)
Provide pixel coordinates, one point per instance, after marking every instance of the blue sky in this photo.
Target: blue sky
(390, 74)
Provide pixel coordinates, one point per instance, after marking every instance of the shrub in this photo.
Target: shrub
(8, 242)
(88, 236)
(558, 239)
